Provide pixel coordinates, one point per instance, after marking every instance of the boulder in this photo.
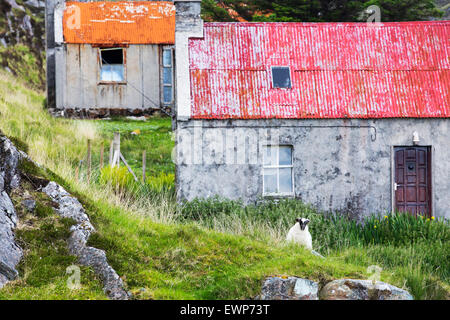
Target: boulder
(350, 289)
(291, 288)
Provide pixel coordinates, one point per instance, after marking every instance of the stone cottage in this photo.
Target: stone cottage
(110, 58)
(348, 117)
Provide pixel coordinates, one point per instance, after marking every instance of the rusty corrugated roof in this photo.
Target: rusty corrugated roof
(338, 70)
(123, 22)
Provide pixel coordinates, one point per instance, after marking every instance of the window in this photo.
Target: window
(167, 75)
(281, 77)
(277, 170)
(112, 67)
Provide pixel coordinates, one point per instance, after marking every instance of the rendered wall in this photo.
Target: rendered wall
(343, 165)
(78, 87)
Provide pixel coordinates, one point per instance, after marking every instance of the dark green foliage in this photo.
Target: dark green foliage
(406, 10)
(318, 10)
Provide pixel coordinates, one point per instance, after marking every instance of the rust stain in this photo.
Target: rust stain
(122, 22)
(338, 70)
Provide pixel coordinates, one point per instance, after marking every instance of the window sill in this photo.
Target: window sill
(111, 82)
(278, 195)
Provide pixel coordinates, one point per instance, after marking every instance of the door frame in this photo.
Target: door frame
(430, 174)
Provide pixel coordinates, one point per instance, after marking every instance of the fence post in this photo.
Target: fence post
(116, 149)
(111, 151)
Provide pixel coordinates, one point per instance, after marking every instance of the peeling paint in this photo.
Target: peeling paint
(137, 22)
(343, 70)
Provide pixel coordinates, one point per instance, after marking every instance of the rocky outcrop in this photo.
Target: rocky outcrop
(22, 39)
(10, 252)
(293, 288)
(290, 288)
(70, 207)
(350, 289)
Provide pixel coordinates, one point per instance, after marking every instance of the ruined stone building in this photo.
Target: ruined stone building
(349, 117)
(110, 58)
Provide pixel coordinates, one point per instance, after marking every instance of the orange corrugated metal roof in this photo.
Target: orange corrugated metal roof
(124, 22)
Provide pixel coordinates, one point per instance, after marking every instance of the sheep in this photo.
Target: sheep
(299, 233)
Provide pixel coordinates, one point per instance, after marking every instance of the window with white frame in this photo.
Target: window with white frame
(167, 75)
(112, 67)
(278, 170)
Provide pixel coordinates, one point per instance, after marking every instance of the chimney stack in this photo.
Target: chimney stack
(189, 24)
(188, 14)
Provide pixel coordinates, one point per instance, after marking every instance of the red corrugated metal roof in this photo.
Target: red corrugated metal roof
(338, 70)
(123, 22)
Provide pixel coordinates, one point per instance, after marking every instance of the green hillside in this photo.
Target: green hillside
(202, 250)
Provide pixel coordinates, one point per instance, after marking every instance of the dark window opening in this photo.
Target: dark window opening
(281, 77)
(112, 65)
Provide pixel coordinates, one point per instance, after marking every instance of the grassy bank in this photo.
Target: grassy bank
(205, 249)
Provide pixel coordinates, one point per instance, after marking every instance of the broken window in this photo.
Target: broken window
(167, 75)
(277, 170)
(112, 65)
(281, 77)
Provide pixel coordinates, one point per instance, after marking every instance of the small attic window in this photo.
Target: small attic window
(281, 77)
(112, 67)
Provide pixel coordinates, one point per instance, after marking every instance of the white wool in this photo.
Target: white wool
(302, 237)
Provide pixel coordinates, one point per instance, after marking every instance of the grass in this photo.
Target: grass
(205, 249)
(154, 136)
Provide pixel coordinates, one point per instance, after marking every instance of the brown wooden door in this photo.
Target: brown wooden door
(413, 180)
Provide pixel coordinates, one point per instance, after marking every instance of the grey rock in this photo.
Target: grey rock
(10, 252)
(29, 204)
(9, 160)
(8, 272)
(291, 288)
(70, 207)
(35, 3)
(26, 25)
(14, 4)
(350, 289)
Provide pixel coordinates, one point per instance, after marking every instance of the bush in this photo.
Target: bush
(119, 178)
(161, 182)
